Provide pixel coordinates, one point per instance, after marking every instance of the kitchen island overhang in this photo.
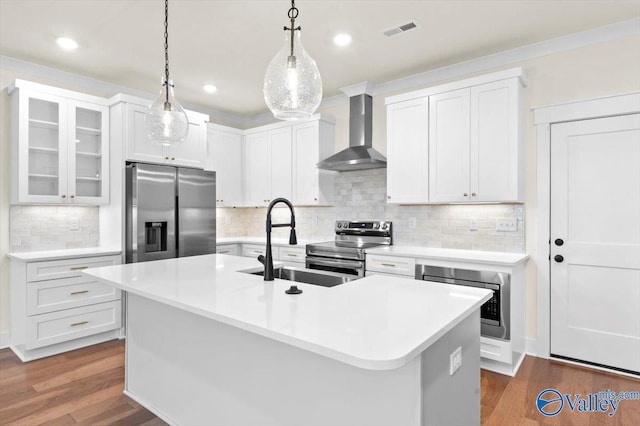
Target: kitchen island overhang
(209, 345)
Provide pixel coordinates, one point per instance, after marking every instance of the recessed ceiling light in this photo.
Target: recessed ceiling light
(66, 43)
(210, 88)
(342, 39)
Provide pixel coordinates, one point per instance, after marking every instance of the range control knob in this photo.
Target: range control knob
(377, 225)
(339, 224)
(385, 226)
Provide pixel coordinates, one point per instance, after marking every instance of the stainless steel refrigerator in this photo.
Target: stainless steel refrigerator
(170, 212)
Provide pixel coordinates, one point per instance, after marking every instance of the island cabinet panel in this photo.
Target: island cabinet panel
(216, 373)
(55, 308)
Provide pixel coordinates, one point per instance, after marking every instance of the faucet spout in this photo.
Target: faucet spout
(268, 259)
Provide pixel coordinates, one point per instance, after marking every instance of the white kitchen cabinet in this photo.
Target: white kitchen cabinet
(407, 151)
(60, 146)
(55, 308)
(230, 249)
(267, 165)
(465, 146)
(449, 146)
(475, 147)
(190, 153)
(312, 142)
(224, 156)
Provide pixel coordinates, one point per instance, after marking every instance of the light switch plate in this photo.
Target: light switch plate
(455, 360)
(507, 224)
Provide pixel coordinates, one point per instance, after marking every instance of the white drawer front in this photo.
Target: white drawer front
(231, 249)
(292, 254)
(255, 250)
(391, 264)
(65, 293)
(62, 326)
(54, 269)
(497, 350)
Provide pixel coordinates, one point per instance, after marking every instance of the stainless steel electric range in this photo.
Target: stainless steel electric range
(345, 254)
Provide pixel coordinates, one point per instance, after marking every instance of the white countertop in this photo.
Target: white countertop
(263, 240)
(487, 257)
(376, 323)
(38, 256)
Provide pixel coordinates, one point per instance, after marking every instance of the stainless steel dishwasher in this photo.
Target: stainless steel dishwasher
(495, 313)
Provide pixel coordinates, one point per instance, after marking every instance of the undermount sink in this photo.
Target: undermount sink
(308, 276)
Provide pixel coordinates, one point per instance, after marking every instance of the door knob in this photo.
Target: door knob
(559, 241)
(558, 258)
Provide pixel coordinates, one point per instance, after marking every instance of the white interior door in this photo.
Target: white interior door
(595, 241)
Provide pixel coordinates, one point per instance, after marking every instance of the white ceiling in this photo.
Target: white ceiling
(230, 43)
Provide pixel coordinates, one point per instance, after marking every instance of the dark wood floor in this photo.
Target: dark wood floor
(85, 387)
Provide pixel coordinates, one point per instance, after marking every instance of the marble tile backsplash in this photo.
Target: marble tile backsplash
(362, 195)
(35, 228)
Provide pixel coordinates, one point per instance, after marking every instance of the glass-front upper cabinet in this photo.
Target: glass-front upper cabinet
(60, 146)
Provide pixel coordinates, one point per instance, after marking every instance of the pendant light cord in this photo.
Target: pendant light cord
(166, 50)
(293, 14)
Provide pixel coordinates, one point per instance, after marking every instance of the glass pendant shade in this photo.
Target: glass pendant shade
(292, 84)
(166, 122)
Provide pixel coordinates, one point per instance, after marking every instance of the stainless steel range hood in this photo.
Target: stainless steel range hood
(360, 154)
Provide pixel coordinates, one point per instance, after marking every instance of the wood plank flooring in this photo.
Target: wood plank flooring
(85, 387)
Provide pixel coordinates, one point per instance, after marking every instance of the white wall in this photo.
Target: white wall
(598, 70)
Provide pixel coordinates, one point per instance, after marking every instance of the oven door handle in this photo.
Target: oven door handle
(338, 263)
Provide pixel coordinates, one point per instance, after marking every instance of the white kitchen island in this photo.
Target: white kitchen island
(208, 345)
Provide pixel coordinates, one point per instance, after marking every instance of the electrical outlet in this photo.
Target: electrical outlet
(473, 225)
(507, 224)
(455, 360)
(412, 223)
(227, 220)
(74, 225)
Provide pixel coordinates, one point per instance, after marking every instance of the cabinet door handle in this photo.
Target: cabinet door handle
(173, 158)
(223, 251)
(391, 265)
(222, 201)
(166, 158)
(63, 196)
(465, 195)
(73, 196)
(473, 194)
(77, 268)
(78, 292)
(388, 197)
(75, 324)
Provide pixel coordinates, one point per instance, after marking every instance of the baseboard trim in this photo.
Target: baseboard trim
(4, 340)
(150, 407)
(532, 347)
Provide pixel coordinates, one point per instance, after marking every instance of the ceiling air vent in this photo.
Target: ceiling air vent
(399, 29)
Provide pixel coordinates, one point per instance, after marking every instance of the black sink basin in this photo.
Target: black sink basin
(308, 276)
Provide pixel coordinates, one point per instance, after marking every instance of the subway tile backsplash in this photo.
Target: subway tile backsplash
(362, 195)
(35, 228)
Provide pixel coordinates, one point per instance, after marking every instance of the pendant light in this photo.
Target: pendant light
(166, 122)
(292, 83)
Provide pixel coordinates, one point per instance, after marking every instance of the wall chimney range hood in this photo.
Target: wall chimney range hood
(360, 155)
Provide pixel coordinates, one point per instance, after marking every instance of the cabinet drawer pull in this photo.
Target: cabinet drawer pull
(77, 268)
(79, 292)
(292, 255)
(75, 324)
(223, 251)
(257, 251)
(391, 265)
(173, 158)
